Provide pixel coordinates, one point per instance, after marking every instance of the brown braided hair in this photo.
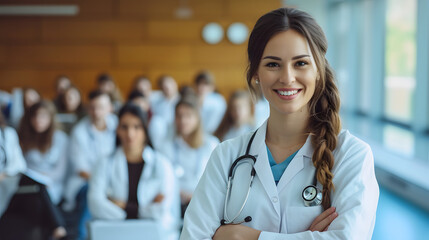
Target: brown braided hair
(324, 122)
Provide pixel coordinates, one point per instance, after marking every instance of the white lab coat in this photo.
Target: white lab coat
(160, 130)
(52, 165)
(279, 211)
(110, 180)
(15, 164)
(165, 107)
(87, 147)
(189, 163)
(235, 132)
(212, 111)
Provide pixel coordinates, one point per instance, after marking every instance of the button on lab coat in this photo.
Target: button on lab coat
(110, 180)
(279, 211)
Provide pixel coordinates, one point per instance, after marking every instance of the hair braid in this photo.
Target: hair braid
(325, 125)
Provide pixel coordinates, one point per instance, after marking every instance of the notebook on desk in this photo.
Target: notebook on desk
(124, 229)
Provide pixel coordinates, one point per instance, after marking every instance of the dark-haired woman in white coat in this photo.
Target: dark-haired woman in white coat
(136, 182)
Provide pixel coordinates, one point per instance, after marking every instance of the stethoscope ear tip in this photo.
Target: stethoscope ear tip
(222, 222)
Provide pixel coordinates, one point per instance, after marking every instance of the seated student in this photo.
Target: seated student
(44, 147)
(31, 208)
(106, 84)
(158, 127)
(165, 104)
(135, 181)
(190, 149)
(61, 84)
(70, 109)
(238, 118)
(12, 163)
(22, 99)
(212, 104)
(143, 84)
(92, 139)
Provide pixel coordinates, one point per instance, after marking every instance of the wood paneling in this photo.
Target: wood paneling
(124, 38)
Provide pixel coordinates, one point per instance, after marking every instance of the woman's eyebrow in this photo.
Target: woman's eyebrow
(272, 57)
(300, 56)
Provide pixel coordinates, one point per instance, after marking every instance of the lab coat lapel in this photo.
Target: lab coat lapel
(262, 166)
(297, 164)
(120, 171)
(145, 191)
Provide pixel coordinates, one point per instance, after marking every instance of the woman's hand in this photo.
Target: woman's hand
(322, 222)
(118, 203)
(158, 198)
(236, 232)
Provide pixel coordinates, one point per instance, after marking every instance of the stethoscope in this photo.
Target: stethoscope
(3, 155)
(311, 195)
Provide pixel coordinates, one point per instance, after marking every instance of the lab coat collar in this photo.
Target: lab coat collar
(148, 158)
(263, 168)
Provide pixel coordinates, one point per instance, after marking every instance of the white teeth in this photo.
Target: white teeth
(287, 93)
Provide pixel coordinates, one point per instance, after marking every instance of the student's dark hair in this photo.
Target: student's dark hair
(104, 77)
(28, 137)
(205, 77)
(324, 122)
(131, 108)
(135, 94)
(2, 120)
(97, 93)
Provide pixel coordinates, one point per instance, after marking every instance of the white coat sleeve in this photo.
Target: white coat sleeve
(99, 204)
(205, 210)
(167, 211)
(16, 162)
(355, 198)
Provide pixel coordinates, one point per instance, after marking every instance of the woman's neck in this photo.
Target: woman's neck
(287, 129)
(100, 125)
(134, 155)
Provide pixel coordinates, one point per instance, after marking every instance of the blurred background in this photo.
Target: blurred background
(379, 50)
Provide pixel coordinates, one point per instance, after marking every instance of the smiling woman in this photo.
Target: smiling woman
(300, 147)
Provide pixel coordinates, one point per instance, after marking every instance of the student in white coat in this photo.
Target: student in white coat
(190, 148)
(212, 104)
(136, 181)
(239, 116)
(45, 148)
(92, 139)
(12, 163)
(301, 142)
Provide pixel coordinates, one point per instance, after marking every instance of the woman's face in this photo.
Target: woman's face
(169, 87)
(72, 99)
(107, 86)
(287, 73)
(41, 121)
(62, 84)
(144, 86)
(131, 132)
(187, 120)
(240, 111)
(31, 97)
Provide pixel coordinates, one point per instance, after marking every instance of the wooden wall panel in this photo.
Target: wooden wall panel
(57, 55)
(96, 31)
(14, 30)
(124, 38)
(153, 55)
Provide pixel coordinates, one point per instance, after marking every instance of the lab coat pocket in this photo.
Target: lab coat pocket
(299, 219)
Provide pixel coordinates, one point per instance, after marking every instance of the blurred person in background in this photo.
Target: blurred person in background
(239, 115)
(12, 163)
(32, 212)
(22, 99)
(70, 109)
(135, 182)
(212, 104)
(190, 149)
(143, 84)
(106, 84)
(44, 148)
(158, 128)
(61, 84)
(165, 105)
(262, 108)
(92, 139)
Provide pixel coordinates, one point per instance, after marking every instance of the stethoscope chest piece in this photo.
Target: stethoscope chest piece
(312, 196)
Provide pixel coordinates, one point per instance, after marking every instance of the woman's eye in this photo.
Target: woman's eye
(301, 63)
(272, 65)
